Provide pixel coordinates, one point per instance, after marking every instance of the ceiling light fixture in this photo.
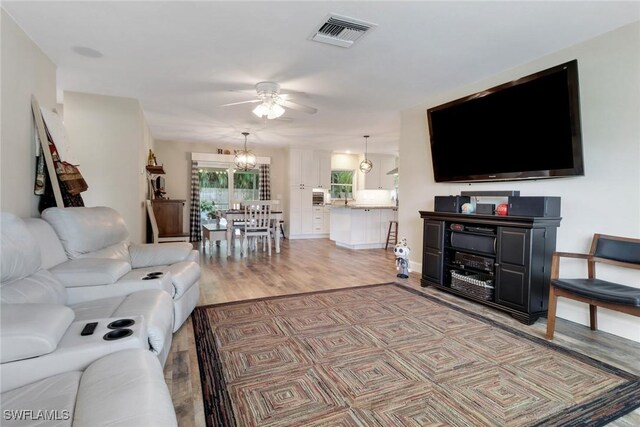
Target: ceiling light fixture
(270, 108)
(366, 165)
(245, 159)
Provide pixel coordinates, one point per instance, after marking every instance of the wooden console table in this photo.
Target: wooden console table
(169, 217)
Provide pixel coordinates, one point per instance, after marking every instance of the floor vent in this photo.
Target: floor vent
(341, 31)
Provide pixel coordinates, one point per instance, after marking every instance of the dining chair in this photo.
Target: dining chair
(257, 223)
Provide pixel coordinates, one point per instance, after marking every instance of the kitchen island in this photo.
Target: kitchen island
(361, 226)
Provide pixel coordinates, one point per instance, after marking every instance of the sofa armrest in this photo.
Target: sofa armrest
(150, 255)
(31, 330)
(125, 388)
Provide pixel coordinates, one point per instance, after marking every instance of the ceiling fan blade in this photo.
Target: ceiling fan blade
(295, 106)
(241, 102)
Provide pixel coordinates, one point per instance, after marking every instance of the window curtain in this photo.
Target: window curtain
(194, 216)
(264, 185)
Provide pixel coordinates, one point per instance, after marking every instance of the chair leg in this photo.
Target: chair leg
(268, 244)
(551, 312)
(593, 317)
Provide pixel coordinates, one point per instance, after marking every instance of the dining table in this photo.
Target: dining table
(237, 215)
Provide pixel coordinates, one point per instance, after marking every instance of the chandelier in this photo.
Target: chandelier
(366, 165)
(245, 159)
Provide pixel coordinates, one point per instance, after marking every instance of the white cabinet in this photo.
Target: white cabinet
(323, 161)
(308, 169)
(300, 211)
(321, 220)
(360, 228)
(378, 179)
(303, 168)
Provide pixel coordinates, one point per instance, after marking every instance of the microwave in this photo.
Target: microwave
(318, 198)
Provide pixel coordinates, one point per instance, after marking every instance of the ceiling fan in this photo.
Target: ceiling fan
(272, 102)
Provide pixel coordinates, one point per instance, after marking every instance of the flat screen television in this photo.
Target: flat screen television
(528, 128)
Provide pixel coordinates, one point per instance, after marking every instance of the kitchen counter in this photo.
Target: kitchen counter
(364, 206)
(360, 226)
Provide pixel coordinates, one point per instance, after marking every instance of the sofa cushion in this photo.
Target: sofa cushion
(20, 253)
(54, 396)
(90, 271)
(84, 230)
(126, 388)
(150, 255)
(31, 330)
(51, 250)
(40, 287)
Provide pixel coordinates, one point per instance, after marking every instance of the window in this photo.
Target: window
(341, 184)
(216, 185)
(246, 185)
(214, 190)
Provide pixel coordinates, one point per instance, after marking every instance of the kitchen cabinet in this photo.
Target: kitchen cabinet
(378, 179)
(303, 168)
(300, 211)
(308, 169)
(321, 220)
(360, 227)
(323, 162)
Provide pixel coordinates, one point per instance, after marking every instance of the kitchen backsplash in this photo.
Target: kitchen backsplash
(375, 197)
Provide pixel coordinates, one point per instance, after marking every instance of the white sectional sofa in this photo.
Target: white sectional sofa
(78, 268)
(91, 255)
(122, 389)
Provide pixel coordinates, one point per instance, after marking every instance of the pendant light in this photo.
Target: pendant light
(366, 165)
(245, 159)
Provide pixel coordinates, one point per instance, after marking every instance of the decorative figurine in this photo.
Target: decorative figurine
(468, 208)
(402, 251)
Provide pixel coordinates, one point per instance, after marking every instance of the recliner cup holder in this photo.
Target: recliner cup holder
(154, 275)
(121, 323)
(117, 334)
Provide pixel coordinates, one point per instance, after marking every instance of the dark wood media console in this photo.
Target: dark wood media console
(509, 257)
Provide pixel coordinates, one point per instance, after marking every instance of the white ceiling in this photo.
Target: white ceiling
(184, 59)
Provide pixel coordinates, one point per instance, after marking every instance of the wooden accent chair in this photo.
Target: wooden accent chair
(612, 250)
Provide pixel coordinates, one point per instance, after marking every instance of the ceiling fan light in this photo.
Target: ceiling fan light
(275, 111)
(261, 110)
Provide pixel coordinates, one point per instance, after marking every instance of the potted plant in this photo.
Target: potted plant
(209, 209)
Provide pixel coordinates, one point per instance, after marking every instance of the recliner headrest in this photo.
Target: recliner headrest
(84, 230)
(20, 251)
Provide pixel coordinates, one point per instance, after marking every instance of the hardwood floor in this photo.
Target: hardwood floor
(317, 264)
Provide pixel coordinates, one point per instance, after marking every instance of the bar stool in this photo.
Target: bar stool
(392, 234)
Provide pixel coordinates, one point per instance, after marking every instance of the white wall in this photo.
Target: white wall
(176, 158)
(26, 71)
(606, 200)
(110, 138)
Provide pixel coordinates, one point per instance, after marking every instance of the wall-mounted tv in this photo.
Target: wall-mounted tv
(528, 128)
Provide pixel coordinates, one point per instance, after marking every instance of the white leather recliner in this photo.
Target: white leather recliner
(91, 255)
(29, 292)
(122, 389)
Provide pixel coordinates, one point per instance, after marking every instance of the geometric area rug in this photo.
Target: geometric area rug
(388, 355)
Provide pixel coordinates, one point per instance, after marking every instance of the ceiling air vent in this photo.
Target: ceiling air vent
(341, 30)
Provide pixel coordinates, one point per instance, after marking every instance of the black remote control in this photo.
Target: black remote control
(89, 328)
